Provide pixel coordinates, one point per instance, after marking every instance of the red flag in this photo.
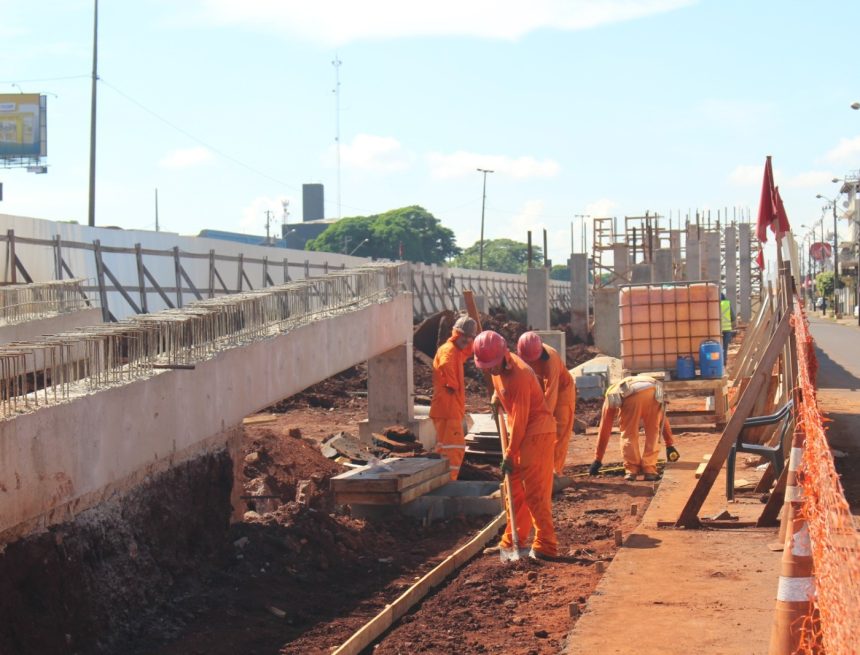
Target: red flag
(759, 259)
(781, 226)
(767, 207)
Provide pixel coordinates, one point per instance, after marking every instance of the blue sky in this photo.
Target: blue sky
(606, 108)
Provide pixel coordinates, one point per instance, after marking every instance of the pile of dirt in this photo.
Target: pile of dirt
(277, 463)
(579, 354)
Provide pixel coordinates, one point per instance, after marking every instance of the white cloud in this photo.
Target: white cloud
(461, 164)
(847, 152)
(338, 21)
(601, 208)
(374, 153)
(186, 157)
(253, 219)
(808, 180)
(746, 175)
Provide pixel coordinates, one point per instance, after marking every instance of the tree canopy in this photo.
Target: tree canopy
(410, 233)
(500, 256)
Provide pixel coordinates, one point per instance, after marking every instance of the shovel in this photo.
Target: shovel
(511, 554)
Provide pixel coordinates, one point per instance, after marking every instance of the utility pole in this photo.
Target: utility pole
(483, 205)
(91, 216)
(336, 63)
(156, 210)
(835, 262)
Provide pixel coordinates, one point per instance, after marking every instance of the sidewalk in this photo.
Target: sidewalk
(685, 591)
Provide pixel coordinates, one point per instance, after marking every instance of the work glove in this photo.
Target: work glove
(672, 454)
(594, 469)
(507, 466)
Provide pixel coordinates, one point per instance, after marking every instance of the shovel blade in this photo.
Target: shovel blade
(509, 554)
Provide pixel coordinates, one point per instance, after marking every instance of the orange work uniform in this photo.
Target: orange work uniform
(531, 429)
(448, 406)
(559, 390)
(639, 407)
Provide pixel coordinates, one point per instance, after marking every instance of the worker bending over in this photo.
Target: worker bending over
(637, 398)
(528, 457)
(448, 406)
(559, 389)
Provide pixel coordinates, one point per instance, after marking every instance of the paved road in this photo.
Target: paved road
(838, 350)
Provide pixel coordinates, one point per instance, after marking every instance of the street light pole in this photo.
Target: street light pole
(483, 205)
(832, 204)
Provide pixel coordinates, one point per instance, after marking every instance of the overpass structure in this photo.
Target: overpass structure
(90, 413)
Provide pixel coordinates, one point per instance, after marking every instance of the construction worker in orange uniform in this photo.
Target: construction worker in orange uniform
(448, 406)
(528, 457)
(637, 399)
(559, 389)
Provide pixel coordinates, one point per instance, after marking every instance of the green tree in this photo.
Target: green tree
(824, 284)
(560, 272)
(500, 255)
(416, 231)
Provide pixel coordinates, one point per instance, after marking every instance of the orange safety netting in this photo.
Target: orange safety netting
(835, 541)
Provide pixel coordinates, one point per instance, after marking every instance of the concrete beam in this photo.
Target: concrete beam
(390, 389)
(579, 296)
(50, 325)
(745, 273)
(554, 339)
(538, 298)
(63, 459)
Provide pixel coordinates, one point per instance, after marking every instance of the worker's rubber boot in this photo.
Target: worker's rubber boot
(672, 454)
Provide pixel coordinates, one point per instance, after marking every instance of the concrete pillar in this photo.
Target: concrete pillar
(675, 247)
(578, 264)
(745, 263)
(554, 339)
(710, 249)
(731, 255)
(642, 273)
(607, 331)
(692, 267)
(390, 390)
(537, 314)
(663, 268)
(621, 263)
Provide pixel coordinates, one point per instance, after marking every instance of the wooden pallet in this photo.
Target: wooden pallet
(394, 481)
(717, 388)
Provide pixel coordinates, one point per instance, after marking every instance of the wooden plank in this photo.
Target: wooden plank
(405, 473)
(141, 279)
(696, 385)
(258, 419)
(100, 278)
(352, 497)
(396, 446)
(386, 618)
(689, 515)
(768, 517)
(701, 469)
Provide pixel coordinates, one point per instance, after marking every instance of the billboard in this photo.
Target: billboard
(22, 126)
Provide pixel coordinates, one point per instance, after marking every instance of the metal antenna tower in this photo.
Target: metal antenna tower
(336, 63)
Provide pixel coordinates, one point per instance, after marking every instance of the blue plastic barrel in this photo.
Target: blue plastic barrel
(686, 367)
(711, 359)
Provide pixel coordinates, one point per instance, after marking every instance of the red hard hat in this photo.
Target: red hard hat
(529, 347)
(489, 349)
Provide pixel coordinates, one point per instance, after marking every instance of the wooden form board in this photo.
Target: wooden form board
(394, 497)
(390, 475)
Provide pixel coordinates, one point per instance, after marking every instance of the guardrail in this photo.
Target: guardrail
(57, 368)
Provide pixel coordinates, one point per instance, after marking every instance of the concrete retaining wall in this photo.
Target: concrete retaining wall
(62, 459)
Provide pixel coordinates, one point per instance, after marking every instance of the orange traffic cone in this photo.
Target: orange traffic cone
(794, 613)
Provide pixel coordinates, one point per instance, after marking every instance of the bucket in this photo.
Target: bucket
(711, 359)
(686, 368)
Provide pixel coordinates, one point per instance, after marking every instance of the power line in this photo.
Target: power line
(45, 79)
(184, 132)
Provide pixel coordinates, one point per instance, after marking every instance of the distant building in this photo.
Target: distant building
(250, 239)
(313, 202)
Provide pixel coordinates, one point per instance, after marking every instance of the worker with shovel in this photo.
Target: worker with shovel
(559, 390)
(637, 399)
(448, 406)
(527, 455)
